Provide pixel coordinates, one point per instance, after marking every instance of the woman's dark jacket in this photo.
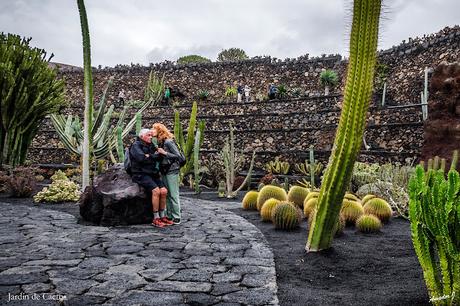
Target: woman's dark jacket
(171, 162)
(140, 164)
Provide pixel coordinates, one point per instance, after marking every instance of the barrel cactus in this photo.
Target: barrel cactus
(367, 198)
(311, 195)
(368, 224)
(352, 197)
(338, 228)
(297, 195)
(286, 216)
(309, 206)
(351, 211)
(380, 208)
(270, 191)
(250, 200)
(267, 208)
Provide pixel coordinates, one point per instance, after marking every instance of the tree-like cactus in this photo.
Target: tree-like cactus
(286, 216)
(297, 195)
(138, 122)
(270, 191)
(267, 209)
(379, 208)
(434, 210)
(120, 148)
(358, 90)
(453, 164)
(196, 162)
(29, 91)
(250, 200)
(368, 224)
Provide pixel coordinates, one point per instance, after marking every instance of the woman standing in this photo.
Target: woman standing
(170, 168)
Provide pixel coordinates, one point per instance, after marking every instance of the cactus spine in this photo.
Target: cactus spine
(434, 210)
(347, 143)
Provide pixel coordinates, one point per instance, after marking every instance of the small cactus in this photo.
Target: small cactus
(351, 211)
(286, 216)
(368, 224)
(309, 206)
(311, 195)
(352, 197)
(367, 198)
(297, 195)
(250, 200)
(267, 208)
(270, 191)
(380, 208)
(338, 228)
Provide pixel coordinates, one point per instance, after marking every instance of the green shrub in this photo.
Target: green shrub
(193, 58)
(379, 208)
(368, 224)
(29, 91)
(203, 94)
(250, 200)
(232, 54)
(270, 191)
(60, 190)
(231, 91)
(297, 195)
(328, 78)
(286, 216)
(267, 209)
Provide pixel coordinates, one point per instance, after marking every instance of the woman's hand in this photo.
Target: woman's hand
(161, 151)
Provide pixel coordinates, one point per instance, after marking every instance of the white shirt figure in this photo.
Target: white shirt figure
(247, 90)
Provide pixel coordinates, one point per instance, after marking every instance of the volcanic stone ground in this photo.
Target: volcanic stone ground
(213, 257)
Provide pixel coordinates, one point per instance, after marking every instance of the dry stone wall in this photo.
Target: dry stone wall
(279, 127)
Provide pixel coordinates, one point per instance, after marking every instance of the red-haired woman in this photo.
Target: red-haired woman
(170, 168)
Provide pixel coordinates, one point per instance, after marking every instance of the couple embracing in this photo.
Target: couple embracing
(155, 164)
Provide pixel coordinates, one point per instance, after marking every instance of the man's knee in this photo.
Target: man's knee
(163, 191)
(156, 192)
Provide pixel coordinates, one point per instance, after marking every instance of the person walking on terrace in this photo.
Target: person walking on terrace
(247, 90)
(170, 167)
(145, 168)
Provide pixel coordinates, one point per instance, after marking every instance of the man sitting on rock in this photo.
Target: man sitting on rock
(145, 167)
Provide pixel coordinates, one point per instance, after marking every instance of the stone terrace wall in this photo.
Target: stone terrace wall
(285, 128)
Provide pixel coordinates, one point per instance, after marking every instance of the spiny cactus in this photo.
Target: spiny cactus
(277, 167)
(380, 208)
(351, 197)
(286, 216)
(260, 186)
(338, 227)
(270, 191)
(297, 195)
(351, 211)
(434, 209)
(311, 195)
(267, 208)
(453, 164)
(367, 198)
(368, 224)
(250, 200)
(348, 139)
(309, 206)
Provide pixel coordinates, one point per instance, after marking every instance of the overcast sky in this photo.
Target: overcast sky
(143, 31)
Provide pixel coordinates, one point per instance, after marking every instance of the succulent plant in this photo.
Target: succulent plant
(367, 198)
(250, 200)
(309, 206)
(311, 195)
(338, 227)
(267, 208)
(277, 167)
(352, 197)
(368, 223)
(351, 211)
(260, 186)
(270, 191)
(286, 216)
(380, 208)
(297, 195)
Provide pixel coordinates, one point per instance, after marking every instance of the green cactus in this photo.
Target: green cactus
(267, 209)
(368, 223)
(250, 200)
(309, 206)
(260, 186)
(351, 211)
(270, 191)
(277, 167)
(286, 216)
(430, 164)
(120, 148)
(443, 165)
(352, 197)
(196, 163)
(453, 164)
(434, 209)
(297, 195)
(348, 140)
(436, 162)
(138, 123)
(367, 198)
(379, 208)
(312, 194)
(29, 91)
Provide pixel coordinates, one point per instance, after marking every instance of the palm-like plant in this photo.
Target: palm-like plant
(328, 79)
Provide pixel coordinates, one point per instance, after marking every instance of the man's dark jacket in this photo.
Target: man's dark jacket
(140, 164)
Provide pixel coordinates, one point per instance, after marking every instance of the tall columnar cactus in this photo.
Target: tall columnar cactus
(187, 144)
(434, 210)
(138, 122)
(358, 90)
(196, 162)
(120, 149)
(453, 164)
(88, 89)
(29, 91)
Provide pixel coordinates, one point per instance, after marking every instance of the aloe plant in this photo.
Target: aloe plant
(434, 210)
(347, 143)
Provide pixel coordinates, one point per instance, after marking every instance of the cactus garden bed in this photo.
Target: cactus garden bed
(360, 269)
